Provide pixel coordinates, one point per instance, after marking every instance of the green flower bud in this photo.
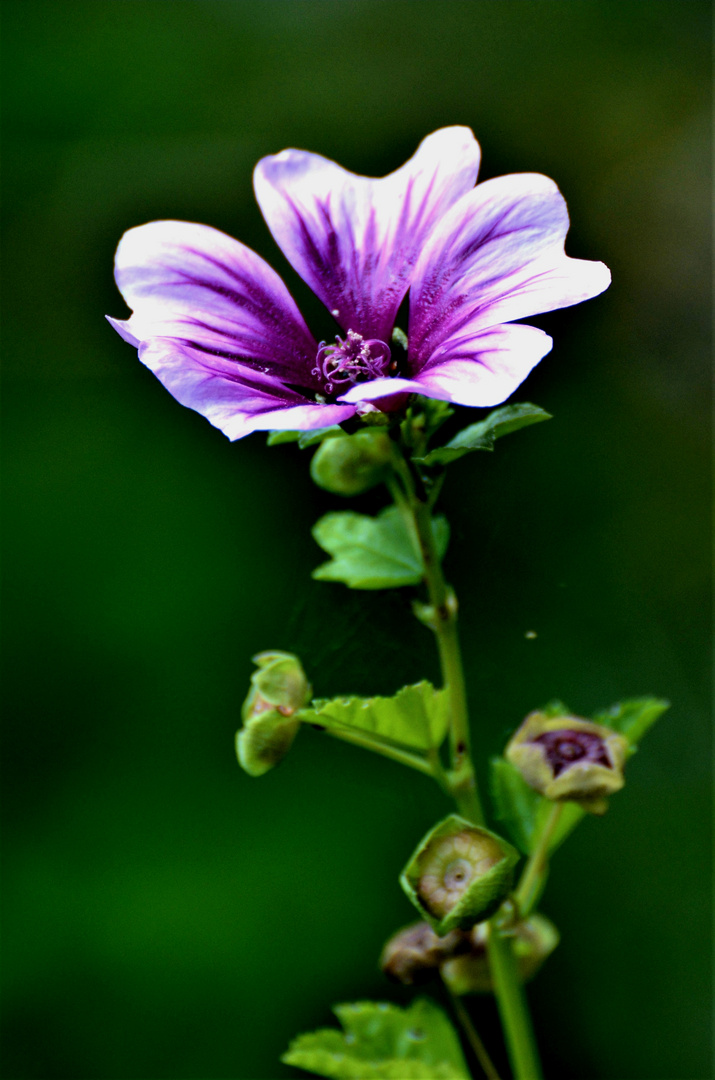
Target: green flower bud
(279, 683)
(415, 953)
(468, 972)
(351, 464)
(567, 758)
(278, 690)
(264, 741)
(459, 874)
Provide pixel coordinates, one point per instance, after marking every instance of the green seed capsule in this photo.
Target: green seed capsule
(468, 972)
(567, 758)
(351, 464)
(459, 874)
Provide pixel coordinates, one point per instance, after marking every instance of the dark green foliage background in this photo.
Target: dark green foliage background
(164, 915)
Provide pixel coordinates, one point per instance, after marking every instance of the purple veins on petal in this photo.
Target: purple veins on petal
(219, 328)
(355, 239)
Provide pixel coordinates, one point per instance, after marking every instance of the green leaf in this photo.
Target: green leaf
(303, 438)
(523, 812)
(515, 803)
(482, 435)
(373, 553)
(417, 716)
(380, 1041)
(632, 718)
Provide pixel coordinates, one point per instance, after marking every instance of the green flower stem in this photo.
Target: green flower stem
(511, 1000)
(415, 761)
(513, 1008)
(533, 878)
(480, 1050)
(463, 783)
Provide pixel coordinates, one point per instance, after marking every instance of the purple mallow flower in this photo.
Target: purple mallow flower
(220, 330)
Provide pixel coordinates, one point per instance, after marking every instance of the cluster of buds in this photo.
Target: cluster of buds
(567, 758)
(279, 688)
(416, 954)
(459, 874)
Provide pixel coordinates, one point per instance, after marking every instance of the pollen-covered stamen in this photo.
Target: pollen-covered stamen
(566, 747)
(351, 360)
(453, 863)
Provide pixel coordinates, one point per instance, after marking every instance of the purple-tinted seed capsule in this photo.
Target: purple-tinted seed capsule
(568, 758)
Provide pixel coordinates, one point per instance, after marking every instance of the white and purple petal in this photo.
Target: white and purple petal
(498, 255)
(354, 239)
(234, 397)
(202, 288)
(484, 369)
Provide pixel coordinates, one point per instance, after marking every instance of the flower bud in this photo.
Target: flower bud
(415, 953)
(467, 972)
(279, 683)
(567, 758)
(265, 741)
(459, 874)
(278, 690)
(351, 464)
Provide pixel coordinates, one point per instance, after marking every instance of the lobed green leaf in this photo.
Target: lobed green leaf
(483, 435)
(381, 1041)
(373, 552)
(417, 716)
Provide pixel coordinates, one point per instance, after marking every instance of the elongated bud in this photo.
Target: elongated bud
(351, 464)
(459, 874)
(415, 953)
(467, 972)
(567, 758)
(278, 690)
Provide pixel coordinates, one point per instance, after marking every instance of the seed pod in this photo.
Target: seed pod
(459, 874)
(415, 953)
(567, 758)
(468, 972)
(278, 690)
(351, 464)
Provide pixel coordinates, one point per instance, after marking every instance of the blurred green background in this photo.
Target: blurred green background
(165, 916)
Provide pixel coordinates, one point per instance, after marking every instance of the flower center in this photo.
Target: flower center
(563, 748)
(451, 865)
(351, 360)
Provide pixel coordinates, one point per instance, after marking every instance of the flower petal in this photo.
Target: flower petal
(201, 287)
(485, 369)
(377, 389)
(234, 397)
(354, 239)
(497, 255)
